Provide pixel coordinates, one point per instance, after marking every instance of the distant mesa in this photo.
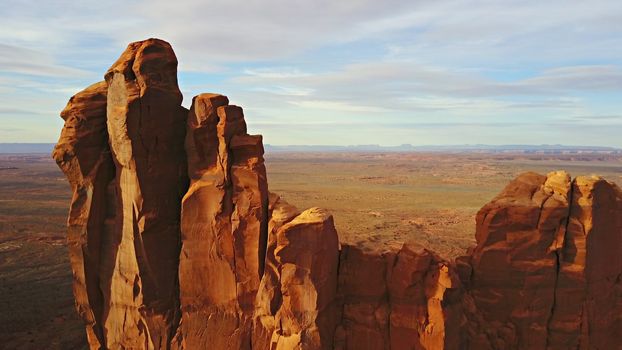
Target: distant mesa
(175, 242)
(526, 149)
(12, 148)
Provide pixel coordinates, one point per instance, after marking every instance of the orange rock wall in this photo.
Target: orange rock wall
(545, 271)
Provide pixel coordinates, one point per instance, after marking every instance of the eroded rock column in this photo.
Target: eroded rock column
(514, 266)
(83, 154)
(546, 271)
(224, 227)
(224, 265)
(297, 306)
(146, 124)
(588, 297)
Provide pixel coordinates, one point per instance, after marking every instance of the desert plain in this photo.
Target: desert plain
(376, 198)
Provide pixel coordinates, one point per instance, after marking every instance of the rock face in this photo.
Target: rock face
(122, 151)
(224, 227)
(176, 243)
(545, 272)
(404, 297)
(296, 305)
(588, 297)
(515, 261)
(146, 124)
(83, 154)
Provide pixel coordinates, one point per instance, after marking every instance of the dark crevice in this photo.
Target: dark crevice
(387, 296)
(540, 211)
(558, 260)
(263, 235)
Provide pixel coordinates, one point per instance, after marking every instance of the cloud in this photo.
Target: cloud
(260, 30)
(614, 121)
(17, 60)
(18, 111)
(409, 86)
(208, 34)
(368, 62)
(276, 72)
(573, 78)
(337, 106)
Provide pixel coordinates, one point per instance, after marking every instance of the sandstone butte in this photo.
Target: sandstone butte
(175, 242)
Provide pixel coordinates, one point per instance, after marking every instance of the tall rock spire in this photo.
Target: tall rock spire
(146, 124)
(224, 227)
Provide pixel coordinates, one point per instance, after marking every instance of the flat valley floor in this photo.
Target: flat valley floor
(375, 198)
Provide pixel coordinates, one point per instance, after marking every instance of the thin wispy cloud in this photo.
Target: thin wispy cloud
(16, 60)
(461, 70)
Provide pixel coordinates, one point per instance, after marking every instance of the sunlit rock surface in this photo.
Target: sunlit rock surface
(83, 154)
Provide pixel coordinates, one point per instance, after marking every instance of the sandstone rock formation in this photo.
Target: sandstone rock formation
(588, 296)
(83, 154)
(122, 150)
(296, 307)
(404, 297)
(224, 227)
(546, 270)
(146, 124)
(515, 261)
(176, 243)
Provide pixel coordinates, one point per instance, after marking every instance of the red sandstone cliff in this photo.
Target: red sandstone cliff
(176, 243)
(404, 297)
(546, 270)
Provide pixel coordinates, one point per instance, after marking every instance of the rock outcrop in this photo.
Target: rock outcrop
(296, 306)
(404, 297)
(588, 296)
(515, 262)
(146, 127)
(176, 243)
(545, 273)
(83, 154)
(224, 227)
(122, 151)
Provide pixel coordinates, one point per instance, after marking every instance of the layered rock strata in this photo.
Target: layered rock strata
(176, 243)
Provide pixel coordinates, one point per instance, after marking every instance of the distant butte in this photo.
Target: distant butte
(176, 243)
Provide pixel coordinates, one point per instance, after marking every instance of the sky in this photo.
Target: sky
(339, 72)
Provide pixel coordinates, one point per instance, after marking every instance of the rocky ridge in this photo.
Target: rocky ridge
(175, 242)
